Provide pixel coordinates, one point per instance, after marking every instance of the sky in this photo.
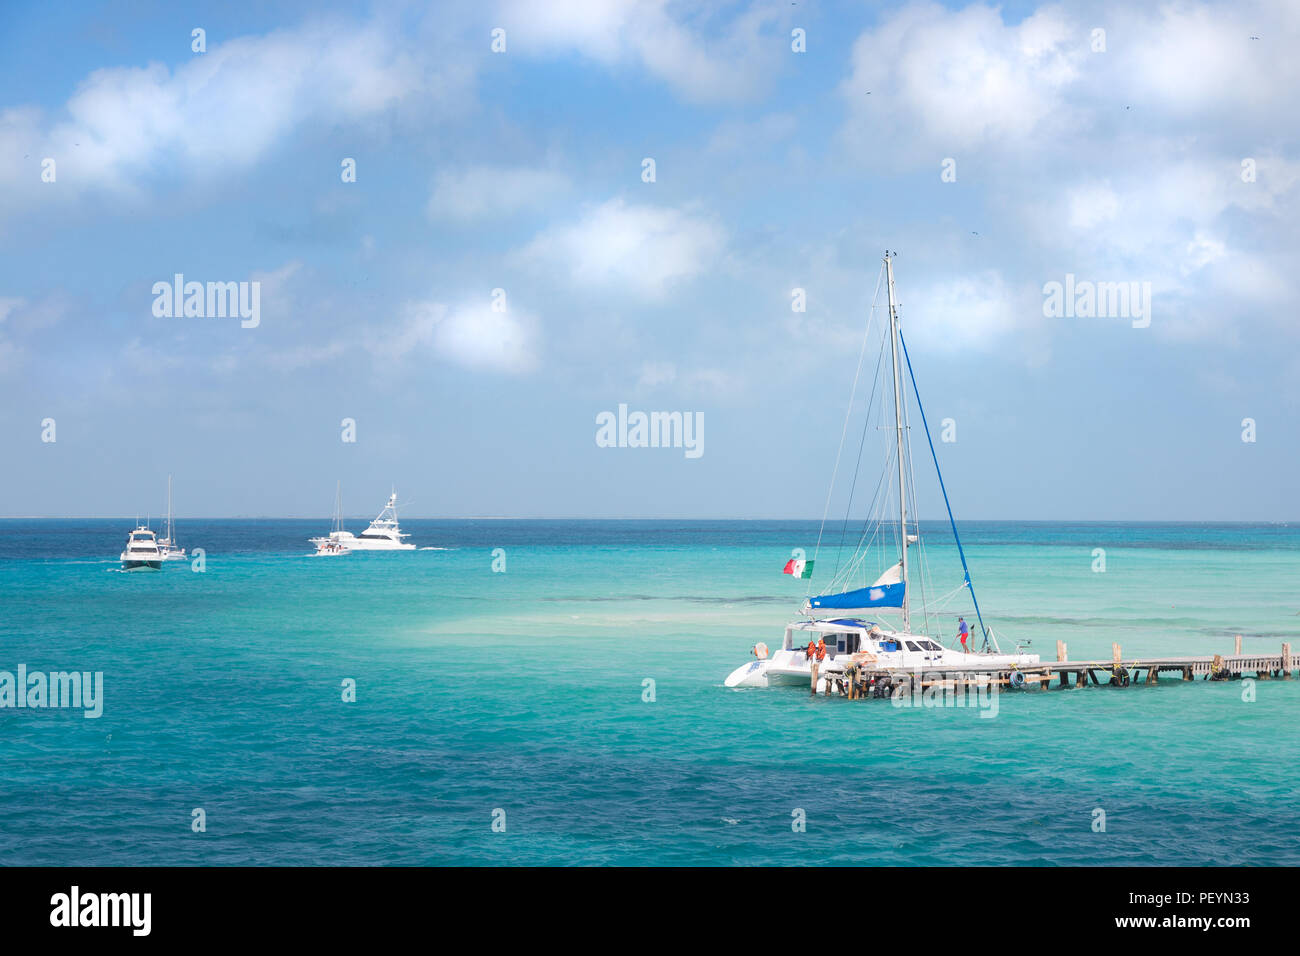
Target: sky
(504, 268)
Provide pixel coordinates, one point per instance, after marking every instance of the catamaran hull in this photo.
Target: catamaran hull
(792, 668)
(768, 673)
(753, 674)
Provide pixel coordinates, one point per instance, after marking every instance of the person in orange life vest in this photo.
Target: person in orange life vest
(821, 648)
(963, 631)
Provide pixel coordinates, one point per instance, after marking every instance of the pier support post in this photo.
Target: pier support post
(1237, 648)
(1287, 663)
(1115, 654)
(1060, 651)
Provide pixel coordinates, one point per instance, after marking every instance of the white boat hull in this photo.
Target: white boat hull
(794, 668)
(357, 544)
(137, 564)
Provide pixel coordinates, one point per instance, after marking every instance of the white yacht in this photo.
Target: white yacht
(894, 537)
(337, 542)
(382, 535)
(142, 552)
(170, 550)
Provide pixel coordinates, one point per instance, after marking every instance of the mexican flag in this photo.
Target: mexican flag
(799, 568)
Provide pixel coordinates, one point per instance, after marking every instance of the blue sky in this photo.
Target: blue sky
(522, 171)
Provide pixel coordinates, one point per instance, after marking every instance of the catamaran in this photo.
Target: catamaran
(167, 545)
(384, 534)
(337, 541)
(839, 617)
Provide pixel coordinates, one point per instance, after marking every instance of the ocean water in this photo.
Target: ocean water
(519, 696)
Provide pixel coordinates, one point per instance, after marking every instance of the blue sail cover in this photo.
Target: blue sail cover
(878, 595)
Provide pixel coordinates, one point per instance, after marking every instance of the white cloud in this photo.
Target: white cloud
(483, 191)
(956, 79)
(688, 47)
(1202, 251)
(1122, 165)
(965, 80)
(1195, 61)
(619, 244)
(965, 312)
(471, 334)
(225, 108)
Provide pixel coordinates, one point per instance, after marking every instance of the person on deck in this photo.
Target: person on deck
(963, 631)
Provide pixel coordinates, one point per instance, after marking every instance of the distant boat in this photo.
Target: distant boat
(142, 552)
(337, 541)
(383, 533)
(167, 545)
(848, 637)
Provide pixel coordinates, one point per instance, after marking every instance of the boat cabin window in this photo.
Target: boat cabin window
(922, 645)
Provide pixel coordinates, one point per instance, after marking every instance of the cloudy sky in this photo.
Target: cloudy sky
(1162, 151)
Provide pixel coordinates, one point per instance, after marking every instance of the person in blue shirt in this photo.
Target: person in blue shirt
(963, 631)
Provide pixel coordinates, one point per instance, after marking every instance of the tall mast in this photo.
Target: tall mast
(898, 425)
(170, 539)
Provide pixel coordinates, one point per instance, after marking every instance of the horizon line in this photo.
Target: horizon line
(367, 517)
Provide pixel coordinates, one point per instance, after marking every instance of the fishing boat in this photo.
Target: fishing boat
(383, 533)
(338, 541)
(167, 544)
(888, 561)
(142, 552)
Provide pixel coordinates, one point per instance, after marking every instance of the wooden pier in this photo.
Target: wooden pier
(862, 676)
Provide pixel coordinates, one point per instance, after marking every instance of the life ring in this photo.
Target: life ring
(760, 651)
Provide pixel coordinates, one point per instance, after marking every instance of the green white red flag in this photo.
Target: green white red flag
(799, 568)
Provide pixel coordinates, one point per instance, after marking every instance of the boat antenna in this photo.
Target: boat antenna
(951, 521)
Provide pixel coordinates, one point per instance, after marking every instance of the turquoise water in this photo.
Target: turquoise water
(522, 692)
